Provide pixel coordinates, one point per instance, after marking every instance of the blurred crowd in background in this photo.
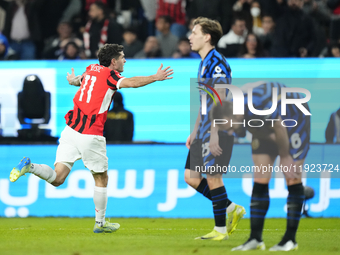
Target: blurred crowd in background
(75, 29)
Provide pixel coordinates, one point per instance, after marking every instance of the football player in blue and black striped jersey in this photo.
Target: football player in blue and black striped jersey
(208, 147)
(275, 134)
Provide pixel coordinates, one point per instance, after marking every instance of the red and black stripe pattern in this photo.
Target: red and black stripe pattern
(79, 121)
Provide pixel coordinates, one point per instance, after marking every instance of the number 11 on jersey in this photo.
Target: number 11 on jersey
(89, 92)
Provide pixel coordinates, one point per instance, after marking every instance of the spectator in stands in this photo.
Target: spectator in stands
(252, 47)
(333, 128)
(53, 48)
(294, 33)
(53, 12)
(70, 51)
(81, 19)
(267, 37)
(176, 10)
(184, 50)
(100, 30)
(4, 46)
(241, 8)
(119, 126)
(255, 12)
(167, 41)
(229, 45)
(151, 49)
(131, 43)
(22, 27)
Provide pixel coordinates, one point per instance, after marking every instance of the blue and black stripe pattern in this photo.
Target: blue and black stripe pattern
(203, 188)
(258, 209)
(219, 199)
(299, 135)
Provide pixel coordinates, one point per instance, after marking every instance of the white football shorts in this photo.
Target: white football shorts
(90, 148)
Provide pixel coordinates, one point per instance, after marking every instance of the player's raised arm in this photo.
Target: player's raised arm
(140, 81)
(73, 79)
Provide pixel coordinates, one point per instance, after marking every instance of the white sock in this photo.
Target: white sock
(231, 208)
(222, 230)
(100, 202)
(43, 171)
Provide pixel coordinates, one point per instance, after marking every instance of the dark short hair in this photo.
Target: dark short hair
(211, 27)
(132, 30)
(166, 18)
(73, 44)
(102, 6)
(108, 52)
(238, 18)
(183, 39)
(65, 23)
(265, 14)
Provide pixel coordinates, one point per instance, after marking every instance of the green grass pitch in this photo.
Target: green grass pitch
(74, 236)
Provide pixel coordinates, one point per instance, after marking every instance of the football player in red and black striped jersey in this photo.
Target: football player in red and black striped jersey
(82, 137)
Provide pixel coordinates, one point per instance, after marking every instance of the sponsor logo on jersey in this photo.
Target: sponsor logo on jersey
(218, 73)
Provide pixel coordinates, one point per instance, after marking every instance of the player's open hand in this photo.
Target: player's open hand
(164, 74)
(214, 146)
(71, 76)
(73, 79)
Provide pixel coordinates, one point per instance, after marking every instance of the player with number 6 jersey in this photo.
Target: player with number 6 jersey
(82, 137)
(277, 134)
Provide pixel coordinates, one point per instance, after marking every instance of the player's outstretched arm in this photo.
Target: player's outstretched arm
(140, 81)
(73, 79)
